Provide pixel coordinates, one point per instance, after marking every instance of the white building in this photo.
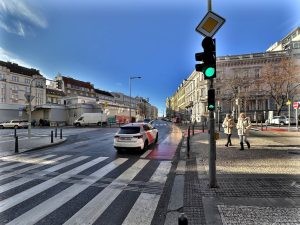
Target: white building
(15, 82)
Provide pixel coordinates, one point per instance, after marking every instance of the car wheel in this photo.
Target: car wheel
(77, 124)
(145, 145)
(1, 127)
(156, 138)
(119, 150)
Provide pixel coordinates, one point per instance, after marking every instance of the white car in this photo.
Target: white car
(14, 124)
(135, 135)
(282, 120)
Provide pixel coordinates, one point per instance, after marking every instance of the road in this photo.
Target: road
(85, 181)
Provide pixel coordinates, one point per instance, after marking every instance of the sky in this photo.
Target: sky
(107, 41)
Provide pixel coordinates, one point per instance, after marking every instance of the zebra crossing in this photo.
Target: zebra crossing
(35, 189)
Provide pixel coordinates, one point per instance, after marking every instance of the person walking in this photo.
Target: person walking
(243, 126)
(228, 125)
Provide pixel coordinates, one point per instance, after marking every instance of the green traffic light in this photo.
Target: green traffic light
(211, 106)
(209, 72)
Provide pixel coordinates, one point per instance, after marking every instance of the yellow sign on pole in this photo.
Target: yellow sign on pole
(288, 102)
(210, 24)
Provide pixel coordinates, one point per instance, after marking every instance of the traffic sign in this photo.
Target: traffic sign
(28, 97)
(296, 105)
(210, 24)
(288, 102)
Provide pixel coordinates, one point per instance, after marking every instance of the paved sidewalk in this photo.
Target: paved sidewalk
(260, 185)
(7, 147)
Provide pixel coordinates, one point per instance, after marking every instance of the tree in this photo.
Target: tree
(280, 79)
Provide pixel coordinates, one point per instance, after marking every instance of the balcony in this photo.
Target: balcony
(190, 104)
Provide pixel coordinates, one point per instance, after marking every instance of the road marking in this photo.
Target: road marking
(20, 197)
(144, 208)
(26, 179)
(35, 214)
(91, 211)
(17, 158)
(38, 163)
(146, 154)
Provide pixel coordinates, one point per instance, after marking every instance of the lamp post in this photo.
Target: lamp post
(131, 78)
(29, 99)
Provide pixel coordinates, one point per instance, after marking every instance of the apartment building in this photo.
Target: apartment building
(16, 82)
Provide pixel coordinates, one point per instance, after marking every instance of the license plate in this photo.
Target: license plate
(125, 138)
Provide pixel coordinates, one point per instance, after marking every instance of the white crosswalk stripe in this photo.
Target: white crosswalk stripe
(26, 179)
(142, 209)
(18, 198)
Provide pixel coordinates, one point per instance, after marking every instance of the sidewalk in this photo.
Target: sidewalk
(7, 147)
(260, 185)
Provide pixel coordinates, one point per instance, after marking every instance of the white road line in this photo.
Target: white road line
(38, 163)
(146, 154)
(26, 179)
(17, 158)
(92, 210)
(20, 197)
(144, 208)
(35, 214)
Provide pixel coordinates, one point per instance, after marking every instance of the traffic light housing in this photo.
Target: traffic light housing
(207, 58)
(211, 101)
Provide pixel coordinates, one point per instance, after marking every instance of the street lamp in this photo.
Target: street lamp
(131, 78)
(29, 99)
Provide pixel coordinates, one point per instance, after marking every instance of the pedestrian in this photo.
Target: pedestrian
(228, 125)
(243, 126)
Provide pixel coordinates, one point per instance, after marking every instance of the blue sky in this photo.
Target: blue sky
(107, 41)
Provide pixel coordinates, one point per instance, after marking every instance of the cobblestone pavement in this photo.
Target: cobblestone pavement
(260, 185)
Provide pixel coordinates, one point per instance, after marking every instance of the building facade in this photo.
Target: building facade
(16, 83)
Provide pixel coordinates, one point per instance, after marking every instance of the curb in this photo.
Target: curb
(44, 146)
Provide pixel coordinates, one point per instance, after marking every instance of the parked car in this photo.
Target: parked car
(135, 135)
(14, 124)
(91, 119)
(282, 120)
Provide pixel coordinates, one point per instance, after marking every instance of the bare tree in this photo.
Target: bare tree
(280, 79)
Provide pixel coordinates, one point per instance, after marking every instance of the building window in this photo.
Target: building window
(15, 78)
(2, 77)
(218, 91)
(27, 81)
(256, 73)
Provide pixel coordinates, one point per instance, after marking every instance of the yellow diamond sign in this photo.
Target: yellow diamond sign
(210, 24)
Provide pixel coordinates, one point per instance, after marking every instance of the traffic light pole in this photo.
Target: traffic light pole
(212, 147)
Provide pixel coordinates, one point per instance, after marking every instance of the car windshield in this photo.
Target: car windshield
(129, 130)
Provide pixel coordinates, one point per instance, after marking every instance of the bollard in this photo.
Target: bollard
(60, 133)
(261, 125)
(51, 136)
(56, 132)
(109, 125)
(219, 126)
(15, 132)
(182, 220)
(193, 129)
(203, 127)
(16, 144)
(188, 142)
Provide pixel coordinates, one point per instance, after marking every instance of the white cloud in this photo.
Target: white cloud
(11, 57)
(17, 17)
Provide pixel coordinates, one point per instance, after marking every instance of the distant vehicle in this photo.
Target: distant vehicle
(135, 135)
(87, 119)
(147, 120)
(14, 124)
(282, 120)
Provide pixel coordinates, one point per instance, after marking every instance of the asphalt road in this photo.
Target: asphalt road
(85, 180)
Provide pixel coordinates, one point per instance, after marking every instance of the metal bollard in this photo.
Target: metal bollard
(203, 127)
(188, 143)
(60, 133)
(16, 144)
(182, 220)
(219, 126)
(56, 132)
(261, 125)
(51, 136)
(15, 132)
(193, 129)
